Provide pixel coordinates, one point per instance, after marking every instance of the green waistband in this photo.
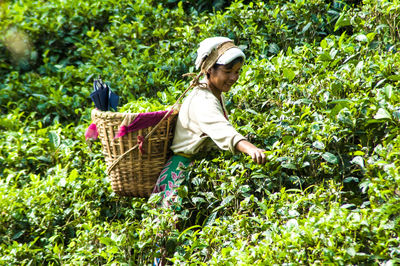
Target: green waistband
(189, 156)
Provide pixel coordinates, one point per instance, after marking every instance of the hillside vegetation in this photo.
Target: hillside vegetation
(319, 92)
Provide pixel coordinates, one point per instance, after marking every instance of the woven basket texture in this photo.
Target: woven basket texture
(136, 174)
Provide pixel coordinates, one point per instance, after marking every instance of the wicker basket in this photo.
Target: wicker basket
(133, 173)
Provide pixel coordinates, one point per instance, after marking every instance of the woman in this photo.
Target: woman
(202, 121)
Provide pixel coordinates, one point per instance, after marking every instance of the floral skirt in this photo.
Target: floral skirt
(172, 175)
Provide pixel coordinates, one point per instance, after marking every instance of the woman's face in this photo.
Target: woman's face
(222, 78)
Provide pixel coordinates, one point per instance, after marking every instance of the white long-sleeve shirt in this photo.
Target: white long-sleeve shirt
(201, 122)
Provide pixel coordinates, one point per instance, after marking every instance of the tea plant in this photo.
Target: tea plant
(318, 91)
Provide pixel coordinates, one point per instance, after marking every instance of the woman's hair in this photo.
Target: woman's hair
(229, 65)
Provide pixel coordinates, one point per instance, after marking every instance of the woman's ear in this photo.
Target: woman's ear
(209, 72)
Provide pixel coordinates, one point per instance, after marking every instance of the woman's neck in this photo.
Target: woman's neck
(213, 89)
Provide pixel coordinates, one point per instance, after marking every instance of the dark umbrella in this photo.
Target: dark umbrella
(103, 97)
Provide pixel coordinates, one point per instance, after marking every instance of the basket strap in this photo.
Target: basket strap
(193, 83)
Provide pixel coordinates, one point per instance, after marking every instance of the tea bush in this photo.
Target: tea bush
(319, 92)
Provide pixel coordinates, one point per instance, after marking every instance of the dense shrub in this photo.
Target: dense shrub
(319, 92)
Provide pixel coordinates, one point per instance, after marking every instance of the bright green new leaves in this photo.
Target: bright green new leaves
(343, 21)
(289, 74)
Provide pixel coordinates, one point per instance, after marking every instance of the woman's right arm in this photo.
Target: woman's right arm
(256, 154)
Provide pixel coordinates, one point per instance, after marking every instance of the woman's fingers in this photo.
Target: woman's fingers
(263, 157)
(258, 156)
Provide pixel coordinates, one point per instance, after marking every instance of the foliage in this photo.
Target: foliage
(319, 92)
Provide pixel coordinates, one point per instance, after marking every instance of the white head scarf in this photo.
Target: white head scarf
(207, 45)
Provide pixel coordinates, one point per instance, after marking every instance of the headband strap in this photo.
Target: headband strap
(215, 54)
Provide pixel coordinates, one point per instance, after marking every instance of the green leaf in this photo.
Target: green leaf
(382, 114)
(358, 160)
(371, 36)
(18, 235)
(303, 101)
(249, 110)
(62, 182)
(196, 200)
(211, 218)
(359, 67)
(350, 179)
(396, 115)
(362, 38)
(287, 139)
(325, 57)
(319, 145)
(394, 77)
(330, 158)
(155, 198)
(359, 153)
(306, 27)
(348, 206)
(351, 251)
(244, 189)
(289, 74)
(187, 229)
(343, 21)
(389, 91)
(226, 200)
(344, 102)
(332, 53)
(289, 166)
(54, 139)
(106, 241)
(273, 48)
(324, 44)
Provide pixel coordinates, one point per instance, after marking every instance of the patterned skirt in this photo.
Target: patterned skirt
(172, 175)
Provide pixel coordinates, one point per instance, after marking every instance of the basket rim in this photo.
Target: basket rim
(110, 114)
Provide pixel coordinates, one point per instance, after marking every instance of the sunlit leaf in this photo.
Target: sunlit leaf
(319, 145)
(358, 160)
(361, 38)
(289, 74)
(289, 166)
(382, 114)
(54, 139)
(330, 158)
(343, 21)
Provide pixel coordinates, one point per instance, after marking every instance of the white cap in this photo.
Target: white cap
(230, 55)
(207, 45)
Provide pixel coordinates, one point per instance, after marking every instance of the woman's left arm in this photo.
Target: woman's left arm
(256, 154)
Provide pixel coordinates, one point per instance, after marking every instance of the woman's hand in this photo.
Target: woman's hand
(256, 154)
